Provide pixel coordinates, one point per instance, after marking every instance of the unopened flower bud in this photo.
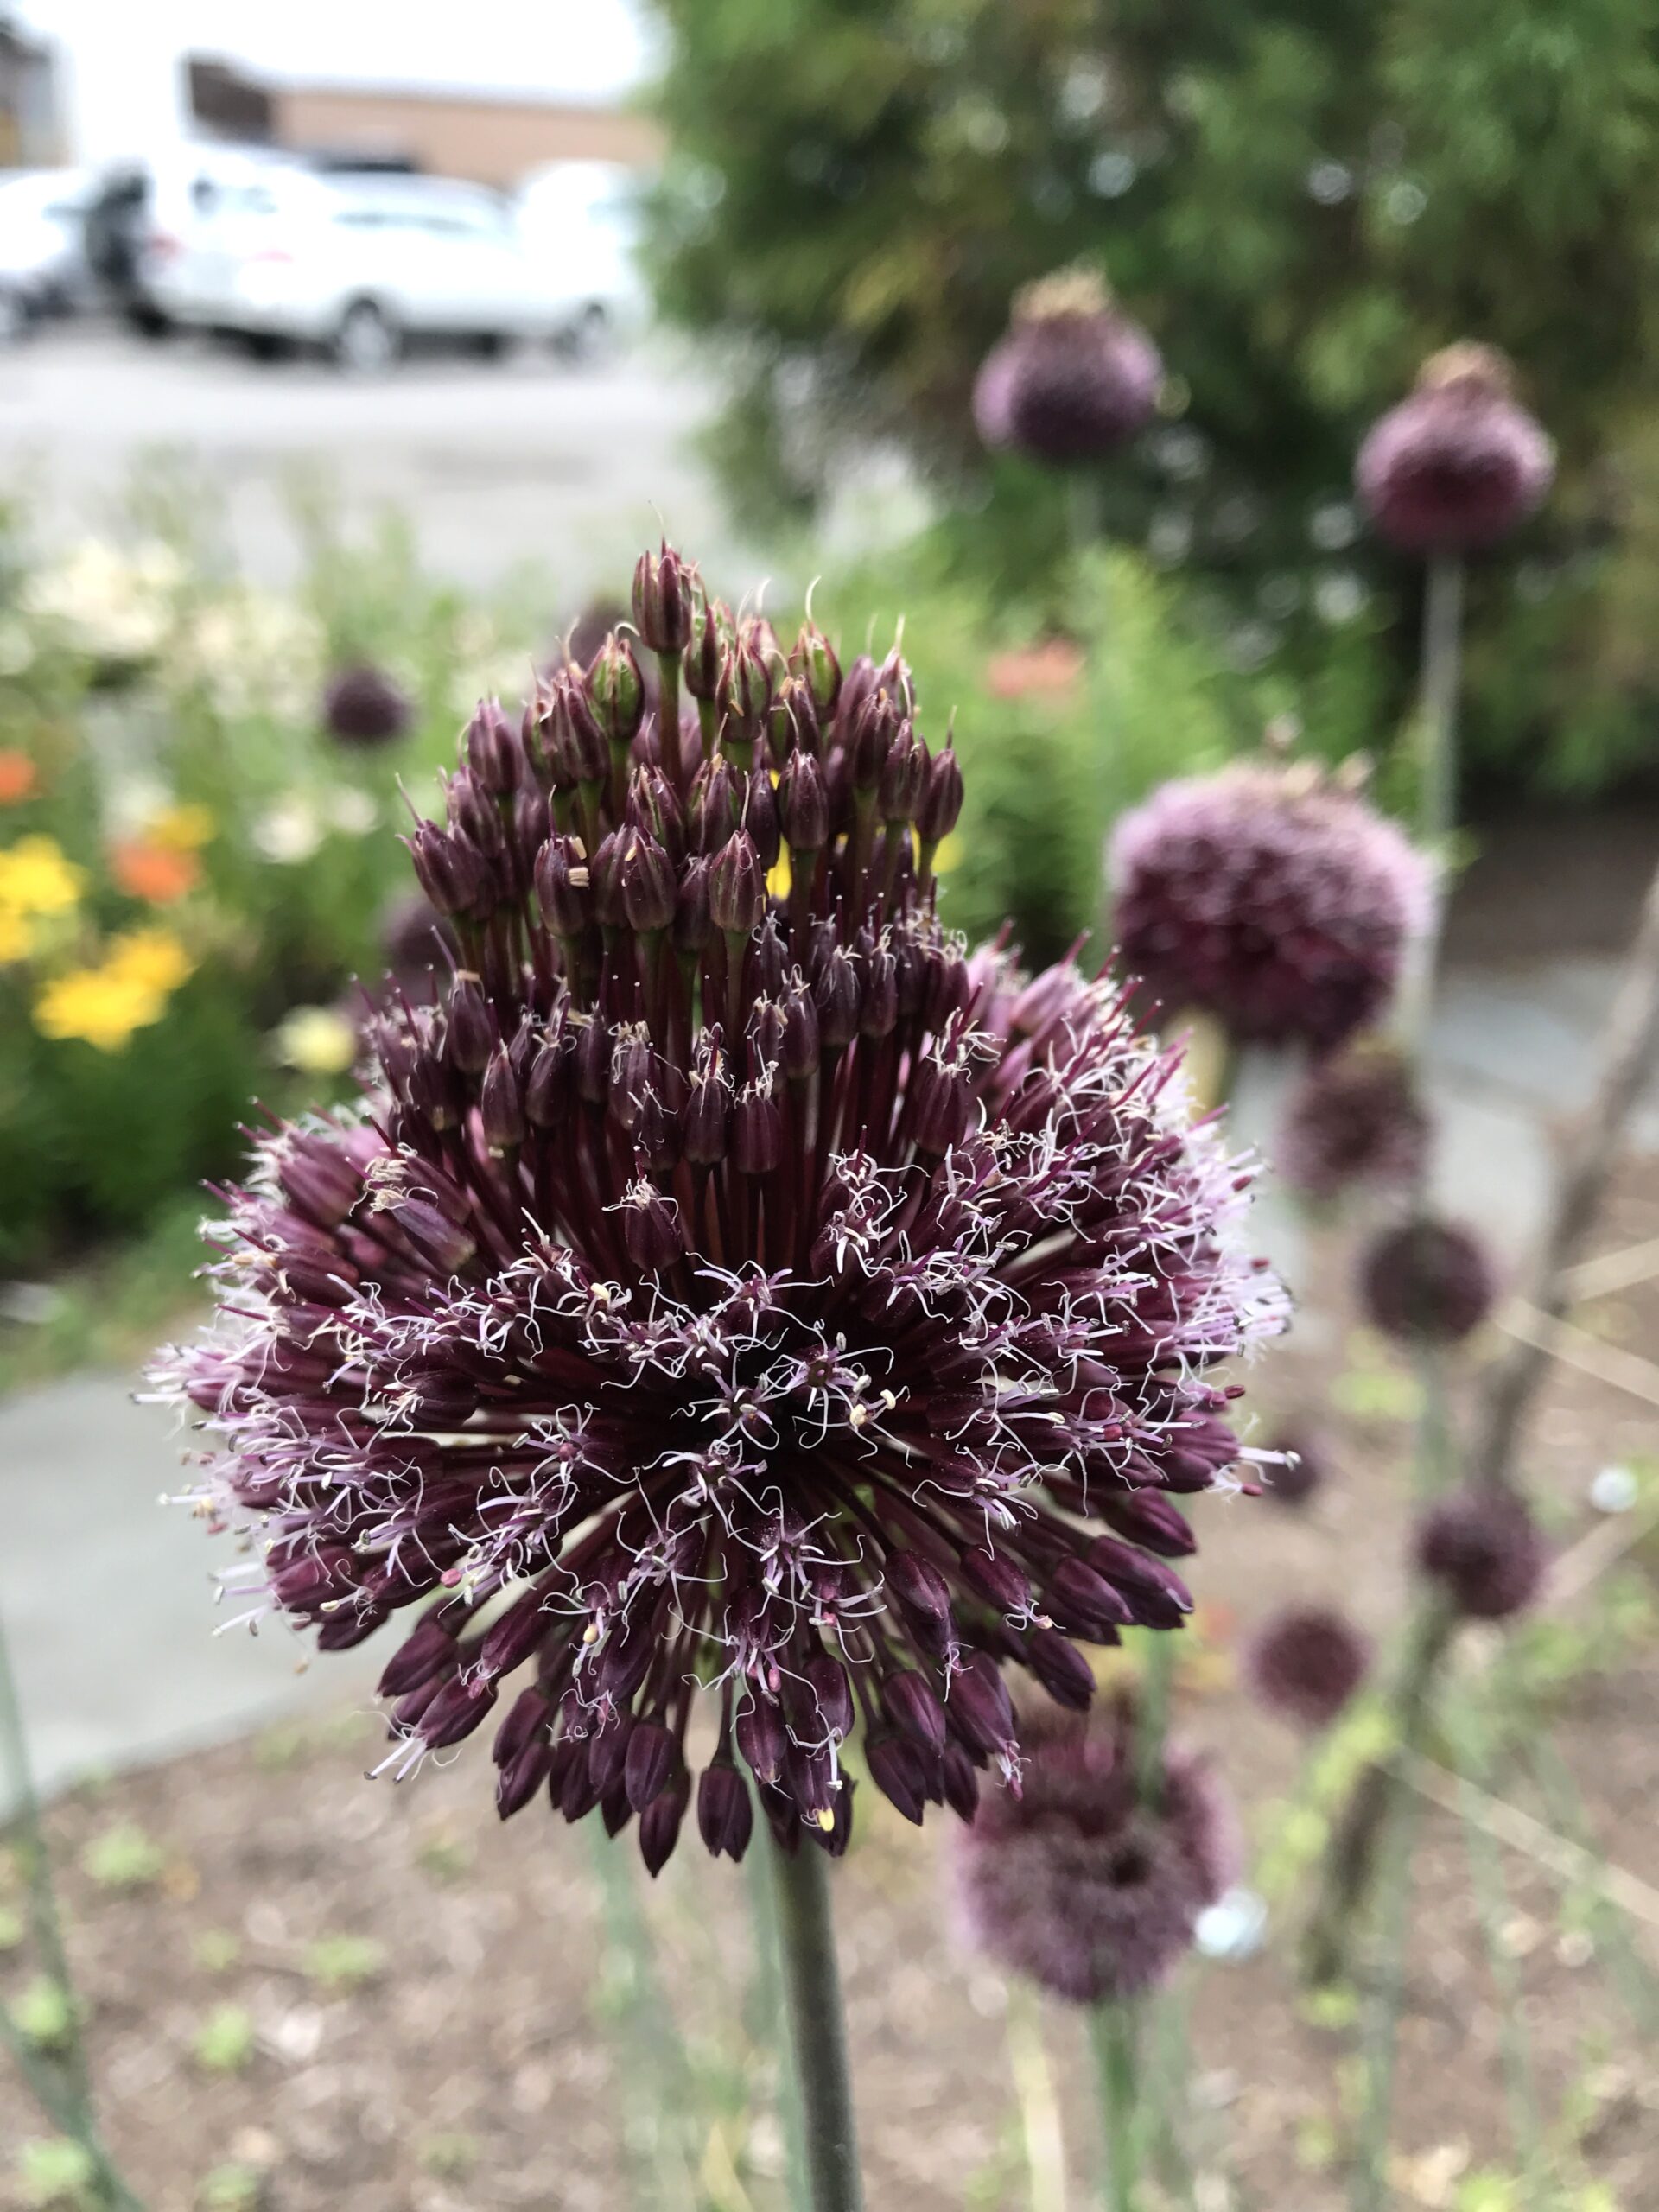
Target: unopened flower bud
(703, 657)
(760, 817)
(490, 746)
(449, 869)
(659, 1824)
(648, 884)
(737, 887)
(802, 804)
(763, 1739)
(757, 1130)
(662, 602)
(500, 1107)
(651, 1229)
(908, 1700)
(617, 691)
(899, 1774)
(904, 778)
(469, 1034)
(814, 661)
(940, 802)
(725, 1816)
(694, 926)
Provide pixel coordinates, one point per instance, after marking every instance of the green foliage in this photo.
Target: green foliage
(343, 1963)
(44, 2015)
(224, 2042)
(1299, 202)
(124, 1858)
(57, 2175)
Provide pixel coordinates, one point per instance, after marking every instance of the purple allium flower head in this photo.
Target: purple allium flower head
(1269, 897)
(415, 939)
(1427, 1281)
(1485, 1549)
(1306, 1662)
(363, 706)
(1072, 379)
(727, 1296)
(1459, 463)
(1354, 1118)
(1077, 1882)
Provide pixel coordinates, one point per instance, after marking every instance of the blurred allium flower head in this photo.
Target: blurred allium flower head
(1306, 1662)
(726, 1297)
(1354, 1118)
(1483, 1548)
(1295, 1465)
(1083, 1878)
(1459, 463)
(1073, 378)
(1268, 896)
(363, 706)
(414, 938)
(1427, 1281)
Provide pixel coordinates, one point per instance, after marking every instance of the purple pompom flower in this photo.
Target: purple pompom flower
(1459, 463)
(1073, 380)
(725, 1298)
(1354, 1118)
(1078, 1882)
(1306, 1662)
(1267, 897)
(1294, 1466)
(363, 706)
(1484, 1549)
(1427, 1281)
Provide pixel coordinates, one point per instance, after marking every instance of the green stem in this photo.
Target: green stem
(769, 2008)
(1370, 2190)
(817, 2030)
(1442, 675)
(1112, 2026)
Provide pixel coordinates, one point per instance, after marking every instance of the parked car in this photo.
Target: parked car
(580, 224)
(364, 266)
(142, 214)
(43, 264)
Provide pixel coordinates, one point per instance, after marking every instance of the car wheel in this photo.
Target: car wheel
(265, 345)
(367, 340)
(149, 321)
(14, 316)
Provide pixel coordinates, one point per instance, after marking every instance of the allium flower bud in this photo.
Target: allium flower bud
(662, 601)
(1354, 1118)
(617, 691)
(1279, 905)
(1077, 1881)
(814, 660)
(492, 748)
(1428, 1282)
(1074, 378)
(1484, 1549)
(1459, 464)
(1306, 1662)
(825, 1338)
(363, 706)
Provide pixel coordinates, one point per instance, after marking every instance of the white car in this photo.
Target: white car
(580, 224)
(43, 247)
(361, 265)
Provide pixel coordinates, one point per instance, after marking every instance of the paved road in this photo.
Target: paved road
(532, 460)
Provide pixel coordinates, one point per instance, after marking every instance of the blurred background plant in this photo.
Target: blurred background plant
(1298, 205)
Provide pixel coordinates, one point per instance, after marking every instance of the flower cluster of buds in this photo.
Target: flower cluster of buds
(363, 706)
(1073, 380)
(729, 1296)
(1306, 1662)
(1427, 1281)
(1483, 1549)
(1457, 464)
(1355, 1118)
(1270, 896)
(1092, 1879)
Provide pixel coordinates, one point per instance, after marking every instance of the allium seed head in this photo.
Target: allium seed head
(1484, 1550)
(1306, 1662)
(1459, 463)
(1076, 1881)
(1268, 898)
(1073, 378)
(722, 1299)
(363, 706)
(1428, 1282)
(1354, 1118)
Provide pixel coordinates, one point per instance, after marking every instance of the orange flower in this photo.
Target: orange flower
(17, 777)
(158, 874)
(1053, 666)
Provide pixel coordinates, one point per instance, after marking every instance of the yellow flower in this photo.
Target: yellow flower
(316, 1040)
(96, 1007)
(16, 938)
(149, 960)
(948, 853)
(184, 828)
(780, 876)
(35, 877)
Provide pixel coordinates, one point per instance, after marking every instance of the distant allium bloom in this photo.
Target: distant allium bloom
(416, 936)
(1306, 1663)
(1460, 462)
(589, 633)
(1073, 378)
(1295, 1465)
(1351, 1120)
(1428, 1282)
(723, 1286)
(362, 705)
(1078, 1884)
(1268, 898)
(1485, 1549)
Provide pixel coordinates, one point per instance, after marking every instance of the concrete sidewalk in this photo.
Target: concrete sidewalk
(107, 1597)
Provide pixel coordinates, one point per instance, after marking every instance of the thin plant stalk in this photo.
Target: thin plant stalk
(655, 2123)
(1114, 2031)
(1371, 2191)
(1442, 679)
(768, 2015)
(64, 2091)
(818, 2028)
(1040, 2130)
